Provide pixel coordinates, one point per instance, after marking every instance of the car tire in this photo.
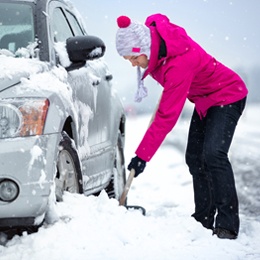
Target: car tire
(118, 180)
(69, 176)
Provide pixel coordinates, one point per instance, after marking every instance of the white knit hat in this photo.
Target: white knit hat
(133, 39)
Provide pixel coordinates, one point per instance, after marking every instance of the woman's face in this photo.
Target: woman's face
(140, 60)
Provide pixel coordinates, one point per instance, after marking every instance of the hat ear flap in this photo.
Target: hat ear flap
(142, 91)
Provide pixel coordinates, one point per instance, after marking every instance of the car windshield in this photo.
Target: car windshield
(16, 26)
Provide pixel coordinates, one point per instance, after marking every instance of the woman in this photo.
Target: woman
(185, 70)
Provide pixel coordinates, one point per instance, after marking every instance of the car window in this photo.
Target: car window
(16, 26)
(61, 28)
(74, 24)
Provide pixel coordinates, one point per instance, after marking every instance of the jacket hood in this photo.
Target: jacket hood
(176, 39)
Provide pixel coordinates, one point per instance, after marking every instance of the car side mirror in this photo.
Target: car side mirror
(83, 48)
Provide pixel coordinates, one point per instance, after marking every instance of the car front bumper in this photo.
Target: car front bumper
(30, 163)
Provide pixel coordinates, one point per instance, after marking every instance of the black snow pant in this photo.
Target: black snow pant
(208, 144)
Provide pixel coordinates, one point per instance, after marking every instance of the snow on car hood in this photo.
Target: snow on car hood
(39, 77)
(12, 70)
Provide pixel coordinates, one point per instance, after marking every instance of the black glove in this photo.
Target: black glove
(137, 164)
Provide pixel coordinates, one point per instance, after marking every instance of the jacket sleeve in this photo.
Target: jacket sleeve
(176, 86)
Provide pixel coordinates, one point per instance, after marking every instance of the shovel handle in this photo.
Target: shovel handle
(132, 172)
(127, 187)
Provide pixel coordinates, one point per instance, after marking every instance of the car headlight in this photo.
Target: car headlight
(8, 190)
(22, 117)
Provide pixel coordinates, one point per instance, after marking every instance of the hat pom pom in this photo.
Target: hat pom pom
(123, 21)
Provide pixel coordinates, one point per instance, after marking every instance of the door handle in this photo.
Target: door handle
(109, 77)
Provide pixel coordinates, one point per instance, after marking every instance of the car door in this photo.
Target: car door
(83, 94)
(89, 87)
(101, 88)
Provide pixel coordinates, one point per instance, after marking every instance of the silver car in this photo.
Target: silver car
(62, 125)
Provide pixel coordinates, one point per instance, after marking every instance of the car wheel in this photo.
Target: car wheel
(68, 177)
(118, 180)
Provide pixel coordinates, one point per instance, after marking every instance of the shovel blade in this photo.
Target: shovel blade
(141, 209)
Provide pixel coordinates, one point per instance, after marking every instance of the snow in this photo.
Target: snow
(85, 115)
(95, 52)
(27, 70)
(36, 152)
(20, 66)
(97, 228)
(60, 48)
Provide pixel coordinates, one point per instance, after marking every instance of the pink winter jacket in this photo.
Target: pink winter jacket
(187, 71)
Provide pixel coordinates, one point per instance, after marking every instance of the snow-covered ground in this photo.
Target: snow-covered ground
(97, 228)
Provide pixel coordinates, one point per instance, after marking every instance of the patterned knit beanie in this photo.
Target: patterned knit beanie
(133, 39)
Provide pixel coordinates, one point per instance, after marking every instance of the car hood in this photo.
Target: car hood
(12, 70)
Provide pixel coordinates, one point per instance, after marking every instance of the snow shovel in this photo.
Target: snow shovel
(125, 192)
(132, 174)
